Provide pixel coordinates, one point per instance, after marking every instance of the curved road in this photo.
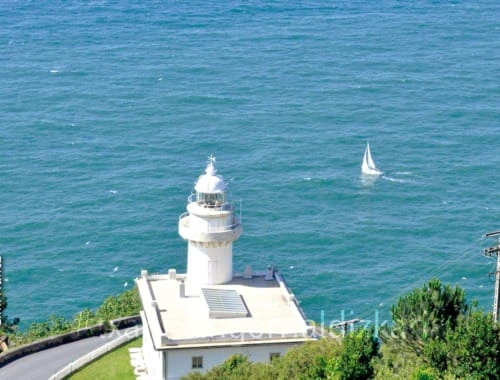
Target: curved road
(41, 365)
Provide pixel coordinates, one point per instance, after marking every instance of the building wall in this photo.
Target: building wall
(152, 358)
(179, 361)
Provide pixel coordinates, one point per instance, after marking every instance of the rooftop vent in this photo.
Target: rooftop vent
(224, 303)
(269, 273)
(182, 289)
(172, 274)
(248, 272)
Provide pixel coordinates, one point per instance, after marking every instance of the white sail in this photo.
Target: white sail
(368, 166)
(365, 168)
(369, 159)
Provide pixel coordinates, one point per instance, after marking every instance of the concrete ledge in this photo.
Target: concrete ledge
(53, 341)
(121, 323)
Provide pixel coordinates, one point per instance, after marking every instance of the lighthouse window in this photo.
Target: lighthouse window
(211, 199)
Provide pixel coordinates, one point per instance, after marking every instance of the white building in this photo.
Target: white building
(195, 321)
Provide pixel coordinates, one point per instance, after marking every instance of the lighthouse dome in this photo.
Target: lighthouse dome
(210, 188)
(210, 182)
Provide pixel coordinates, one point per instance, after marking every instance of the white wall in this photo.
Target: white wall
(152, 358)
(219, 221)
(198, 272)
(179, 361)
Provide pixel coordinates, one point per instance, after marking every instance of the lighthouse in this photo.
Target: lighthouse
(194, 321)
(210, 227)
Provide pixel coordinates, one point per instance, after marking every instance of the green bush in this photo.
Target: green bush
(359, 348)
(310, 360)
(84, 318)
(122, 305)
(424, 373)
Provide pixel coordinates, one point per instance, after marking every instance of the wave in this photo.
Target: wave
(403, 173)
(392, 179)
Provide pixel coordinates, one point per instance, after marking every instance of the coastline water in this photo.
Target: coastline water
(109, 110)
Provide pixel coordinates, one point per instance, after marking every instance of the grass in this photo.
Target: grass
(115, 365)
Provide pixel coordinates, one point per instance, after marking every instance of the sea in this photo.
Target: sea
(109, 110)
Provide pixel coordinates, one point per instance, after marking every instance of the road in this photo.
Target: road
(41, 365)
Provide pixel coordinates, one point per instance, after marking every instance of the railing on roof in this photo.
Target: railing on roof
(218, 206)
(184, 219)
(227, 206)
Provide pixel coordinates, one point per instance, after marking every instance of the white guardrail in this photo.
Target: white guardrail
(91, 356)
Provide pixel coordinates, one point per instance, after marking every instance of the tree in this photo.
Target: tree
(427, 313)
(471, 350)
(6, 325)
(3, 305)
(359, 348)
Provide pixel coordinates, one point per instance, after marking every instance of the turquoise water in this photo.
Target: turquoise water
(109, 109)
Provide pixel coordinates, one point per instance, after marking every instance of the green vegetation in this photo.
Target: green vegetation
(327, 358)
(428, 313)
(112, 366)
(471, 350)
(435, 335)
(7, 326)
(122, 305)
(356, 359)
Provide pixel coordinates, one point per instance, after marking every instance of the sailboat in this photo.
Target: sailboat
(368, 166)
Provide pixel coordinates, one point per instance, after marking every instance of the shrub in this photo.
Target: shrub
(359, 348)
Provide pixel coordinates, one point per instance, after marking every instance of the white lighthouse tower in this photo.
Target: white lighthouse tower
(210, 227)
(193, 321)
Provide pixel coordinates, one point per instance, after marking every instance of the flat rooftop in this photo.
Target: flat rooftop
(247, 310)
